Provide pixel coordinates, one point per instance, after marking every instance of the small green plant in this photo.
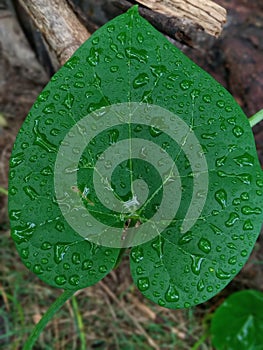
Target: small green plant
(133, 146)
(237, 324)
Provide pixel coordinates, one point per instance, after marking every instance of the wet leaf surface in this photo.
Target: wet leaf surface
(128, 61)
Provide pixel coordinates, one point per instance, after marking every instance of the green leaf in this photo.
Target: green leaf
(133, 145)
(237, 324)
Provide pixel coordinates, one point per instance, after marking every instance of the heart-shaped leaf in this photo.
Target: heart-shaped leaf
(238, 322)
(133, 145)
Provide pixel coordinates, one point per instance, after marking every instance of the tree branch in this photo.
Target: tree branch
(181, 29)
(62, 25)
(205, 13)
(59, 25)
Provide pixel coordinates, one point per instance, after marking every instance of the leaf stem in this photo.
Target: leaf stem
(80, 326)
(3, 191)
(119, 259)
(256, 118)
(58, 303)
(200, 341)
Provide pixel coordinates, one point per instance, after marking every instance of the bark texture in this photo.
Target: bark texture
(59, 25)
(63, 29)
(209, 15)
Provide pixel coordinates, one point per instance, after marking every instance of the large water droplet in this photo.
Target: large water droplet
(259, 183)
(137, 254)
(139, 55)
(154, 131)
(232, 260)
(74, 280)
(161, 302)
(186, 84)
(200, 285)
(96, 40)
(248, 226)
(140, 38)
(158, 246)
(114, 69)
(16, 160)
(69, 100)
(248, 210)
(79, 84)
(60, 250)
(216, 229)
(143, 283)
(220, 103)
(122, 37)
(110, 28)
(245, 178)
(23, 233)
(172, 294)
(43, 96)
(231, 245)
(233, 217)
(244, 160)
(75, 258)
(49, 109)
(221, 161)
(47, 171)
(140, 270)
(41, 139)
(60, 226)
(66, 266)
(187, 237)
(209, 136)
(204, 245)
(87, 265)
(196, 264)
(158, 71)
(60, 280)
(237, 131)
(141, 80)
(37, 269)
(46, 246)
(72, 62)
(244, 253)
(102, 269)
(30, 192)
(210, 289)
(207, 98)
(25, 253)
(94, 56)
(15, 214)
(222, 275)
(221, 197)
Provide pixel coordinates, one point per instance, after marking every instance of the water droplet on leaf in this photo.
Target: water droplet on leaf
(171, 295)
(143, 284)
(196, 264)
(60, 280)
(204, 245)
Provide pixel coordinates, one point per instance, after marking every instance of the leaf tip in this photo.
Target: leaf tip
(134, 10)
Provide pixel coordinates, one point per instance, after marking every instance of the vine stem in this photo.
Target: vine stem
(80, 324)
(256, 118)
(3, 191)
(58, 303)
(200, 342)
